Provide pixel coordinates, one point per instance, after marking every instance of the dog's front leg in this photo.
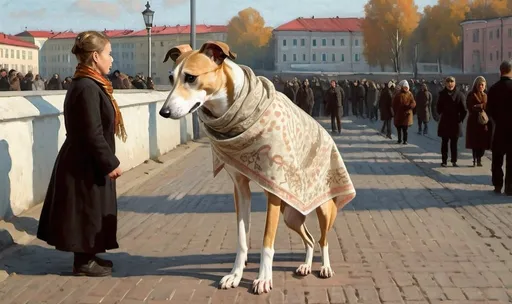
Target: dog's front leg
(264, 281)
(242, 195)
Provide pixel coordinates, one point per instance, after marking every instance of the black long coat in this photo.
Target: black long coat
(80, 209)
(386, 104)
(451, 106)
(499, 108)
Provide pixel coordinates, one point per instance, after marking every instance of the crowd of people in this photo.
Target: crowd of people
(16, 81)
(445, 101)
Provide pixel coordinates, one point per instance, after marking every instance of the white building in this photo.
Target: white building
(19, 55)
(320, 44)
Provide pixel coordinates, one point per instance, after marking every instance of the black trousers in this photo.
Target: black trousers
(452, 141)
(425, 126)
(478, 153)
(386, 127)
(402, 130)
(335, 117)
(498, 156)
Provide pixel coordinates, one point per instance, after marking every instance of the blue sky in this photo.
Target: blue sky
(126, 14)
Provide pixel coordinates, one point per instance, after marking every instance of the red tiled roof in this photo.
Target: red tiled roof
(116, 33)
(64, 35)
(36, 34)
(182, 29)
(156, 30)
(15, 41)
(322, 25)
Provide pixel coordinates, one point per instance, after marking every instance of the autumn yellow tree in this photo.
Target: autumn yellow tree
(480, 9)
(386, 27)
(249, 37)
(441, 26)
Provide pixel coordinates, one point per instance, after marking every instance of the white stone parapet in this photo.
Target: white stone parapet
(32, 131)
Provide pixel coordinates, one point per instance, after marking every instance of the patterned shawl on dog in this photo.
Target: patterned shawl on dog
(276, 144)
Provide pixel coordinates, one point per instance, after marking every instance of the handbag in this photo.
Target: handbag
(483, 119)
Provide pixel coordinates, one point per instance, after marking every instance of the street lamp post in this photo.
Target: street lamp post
(148, 20)
(195, 119)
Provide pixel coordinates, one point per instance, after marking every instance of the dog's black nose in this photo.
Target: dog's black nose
(165, 113)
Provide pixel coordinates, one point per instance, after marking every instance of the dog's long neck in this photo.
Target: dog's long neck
(232, 80)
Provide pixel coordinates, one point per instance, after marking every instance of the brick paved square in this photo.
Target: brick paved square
(415, 233)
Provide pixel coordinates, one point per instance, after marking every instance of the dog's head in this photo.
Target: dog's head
(196, 78)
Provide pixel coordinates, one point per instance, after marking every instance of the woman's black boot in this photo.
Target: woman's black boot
(85, 264)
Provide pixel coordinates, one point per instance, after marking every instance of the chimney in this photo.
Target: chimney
(312, 17)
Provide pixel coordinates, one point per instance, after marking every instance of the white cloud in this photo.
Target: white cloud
(97, 7)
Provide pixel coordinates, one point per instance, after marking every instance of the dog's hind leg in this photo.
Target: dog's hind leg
(242, 195)
(263, 283)
(326, 215)
(296, 222)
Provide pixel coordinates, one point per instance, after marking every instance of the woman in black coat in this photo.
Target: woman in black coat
(451, 106)
(80, 209)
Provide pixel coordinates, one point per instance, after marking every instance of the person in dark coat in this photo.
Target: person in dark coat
(423, 108)
(478, 136)
(451, 107)
(334, 105)
(79, 213)
(305, 98)
(386, 108)
(403, 104)
(499, 109)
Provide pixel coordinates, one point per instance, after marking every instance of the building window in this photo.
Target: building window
(497, 55)
(1, 53)
(342, 42)
(314, 42)
(23, 55)
(284, 42)
(303, 57)
(6, 53)
(29, 55)
(333, 57)
(314, 57)
(357, 57)
(294, 57)
(498, 33)
(490, 56)
(356, 42)
(324, 42)
(324, 57)
(342, 57)
(303, 42)
(490, 35)
(476, 35)
(294, 42)
(12, 53)
(334, 42)
(284, 57)
(510, 32)
(17, 54)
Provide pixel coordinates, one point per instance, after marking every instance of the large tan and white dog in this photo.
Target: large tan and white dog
(209, 79)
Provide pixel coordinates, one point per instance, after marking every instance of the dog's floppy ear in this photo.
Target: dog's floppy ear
(176, 52)
(217, 51)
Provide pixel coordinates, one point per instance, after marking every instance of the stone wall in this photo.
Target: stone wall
(32, 131)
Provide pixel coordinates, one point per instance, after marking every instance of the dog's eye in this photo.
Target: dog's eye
(190, 78)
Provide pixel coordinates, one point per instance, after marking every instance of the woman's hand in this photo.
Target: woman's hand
(115, 174)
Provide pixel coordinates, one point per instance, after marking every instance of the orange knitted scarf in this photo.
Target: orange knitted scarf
(86, 71)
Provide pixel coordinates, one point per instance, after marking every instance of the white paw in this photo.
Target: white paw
(230, 281)
(304, 269)
(326, 272)
(260, 286)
